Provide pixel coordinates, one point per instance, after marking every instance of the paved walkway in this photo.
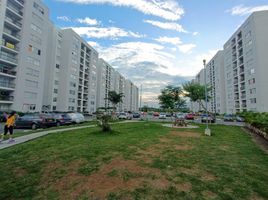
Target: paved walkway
(18, 140)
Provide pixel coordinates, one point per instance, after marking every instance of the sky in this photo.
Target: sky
(154, 43)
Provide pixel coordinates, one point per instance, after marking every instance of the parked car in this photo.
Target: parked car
(156, 114)
(35, 121)
(228, 118)
(162, 116)
(168, 115)
(189, 116)
(209, 118)
(76, 118)
(122, 115)
(136, 115)
(240, 119)
(180, 116)
(63, 119)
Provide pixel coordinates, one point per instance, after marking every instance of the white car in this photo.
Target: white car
(122, 116)
(77, 117)
(162, 116)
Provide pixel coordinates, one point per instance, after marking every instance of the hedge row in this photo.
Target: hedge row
(258, 120)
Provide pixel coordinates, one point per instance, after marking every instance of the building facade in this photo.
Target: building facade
(23, 54)
(237, 75)
(246, 62)
(44, 68)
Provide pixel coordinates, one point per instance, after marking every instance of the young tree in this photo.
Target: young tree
(115, 98)
(170, 98)
(195, 92)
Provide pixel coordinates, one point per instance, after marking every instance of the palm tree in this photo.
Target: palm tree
(115, 98)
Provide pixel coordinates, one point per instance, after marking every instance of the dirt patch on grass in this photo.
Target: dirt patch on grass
(190, 171)
(117, 175)
(255, 197)
(165, 140)
(185, 134)
(209, 195)
(19, 172)
(183, 147)
(208, 177)
(185, 187)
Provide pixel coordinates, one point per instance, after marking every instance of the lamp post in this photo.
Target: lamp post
(207, 130)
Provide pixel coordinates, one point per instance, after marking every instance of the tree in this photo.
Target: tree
(115, 98)
(195, 92)
(170, 98)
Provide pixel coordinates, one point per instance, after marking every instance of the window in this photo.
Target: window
(251, 81)
(55, 99)
(32, 107)
(71, 108)
(38, 8)
(36, 39)
(251, 71)
(34, 50)
(72, 84)
(33, 84)
(252, 91)
(253, 100)
(54, 108)
(72, 92)
(36, 29)
(32, 72)
(30, 95)
(56, 82)
(37, 18)
(71, 100)
(57, 66)
(73, 76)
(33, 61)
(56, 91)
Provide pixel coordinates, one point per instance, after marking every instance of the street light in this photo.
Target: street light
(207, 130)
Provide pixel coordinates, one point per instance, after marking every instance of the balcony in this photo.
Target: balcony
(7, 86)
(13, 23)
(7, 72)
(8, 58)
(6, 99)
(235, 81)
(14, 10)
(10, 47)
(243, 96)
(19, 2)
(242, 87)
(10, 35)
(244, 105)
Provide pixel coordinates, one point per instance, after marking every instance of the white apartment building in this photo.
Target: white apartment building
(22, 54)
(246, 65)
(78, 74)
(52, 73)
(216, 84)
(199, 78)
(44, 68)
(106, 83)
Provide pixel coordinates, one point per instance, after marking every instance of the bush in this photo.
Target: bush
(104, 122)
(258, 120)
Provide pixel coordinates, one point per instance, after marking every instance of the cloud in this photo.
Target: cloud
(243, 10)
(64, 18)
(186, 48)
(88, 21)
(105, 32)
(166, 9)
(166, 25)
(195, 33)
(93, 44)
(170, 40)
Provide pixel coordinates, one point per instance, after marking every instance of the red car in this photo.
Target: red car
(156, 114)
(189, 116)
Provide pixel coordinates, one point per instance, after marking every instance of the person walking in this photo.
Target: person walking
(9, 126)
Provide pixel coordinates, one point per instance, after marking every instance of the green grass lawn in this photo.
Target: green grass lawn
(137, 161)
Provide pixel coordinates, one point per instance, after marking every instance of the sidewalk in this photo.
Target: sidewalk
(4, 144)
(18, 140)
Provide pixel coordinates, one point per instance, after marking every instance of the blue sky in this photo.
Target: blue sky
(154, 42)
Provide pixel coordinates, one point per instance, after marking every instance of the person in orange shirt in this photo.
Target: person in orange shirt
(9, 126)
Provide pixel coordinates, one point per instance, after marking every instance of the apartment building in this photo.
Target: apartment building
(199, 78)
(22, 54)
(106, 83)
(52, 73)
(216, 84)
(44, 68)
(77, 90)
(246, 61)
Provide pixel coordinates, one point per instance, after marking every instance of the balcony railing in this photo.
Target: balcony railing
(7, 71)
(13, 22)
(243, 96)
(15, 35)
(14, 9)
(6, 98)
(10, 45)
(7, 85)
(242, 88)
(8, 58)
